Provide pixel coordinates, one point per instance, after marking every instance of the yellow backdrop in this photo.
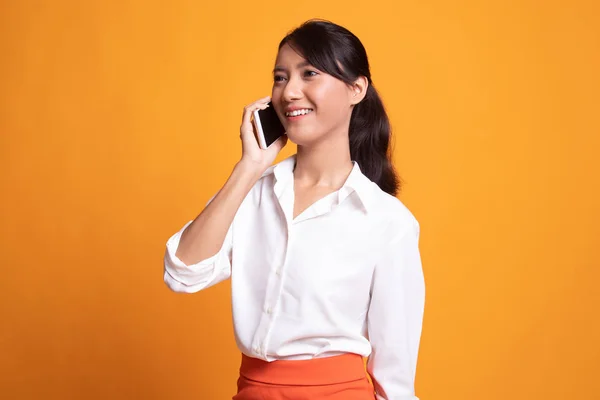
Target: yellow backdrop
(118, 120)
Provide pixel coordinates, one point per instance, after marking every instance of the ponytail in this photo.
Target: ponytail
(370, 136)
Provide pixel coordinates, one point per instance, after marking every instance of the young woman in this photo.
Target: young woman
(324, 259)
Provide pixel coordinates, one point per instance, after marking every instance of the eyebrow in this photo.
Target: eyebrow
(279, 68)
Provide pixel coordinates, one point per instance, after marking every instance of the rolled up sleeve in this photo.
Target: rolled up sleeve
(183, 278)
(395, 317)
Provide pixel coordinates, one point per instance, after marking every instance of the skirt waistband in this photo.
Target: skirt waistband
(317, 371)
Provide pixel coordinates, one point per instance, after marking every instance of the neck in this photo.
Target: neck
(326, 164)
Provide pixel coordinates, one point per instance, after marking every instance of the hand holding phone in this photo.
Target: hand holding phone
(253, 153)
(268, 126)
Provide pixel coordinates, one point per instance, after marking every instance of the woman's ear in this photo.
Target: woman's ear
(359, 90)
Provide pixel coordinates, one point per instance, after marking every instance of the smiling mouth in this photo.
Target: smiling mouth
(298, 113)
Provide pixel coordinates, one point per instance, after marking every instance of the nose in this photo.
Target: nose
(292, 90)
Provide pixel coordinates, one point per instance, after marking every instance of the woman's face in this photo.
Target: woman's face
(311, 104)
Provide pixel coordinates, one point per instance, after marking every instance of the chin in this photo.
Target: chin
(299, 138)
(306, 136)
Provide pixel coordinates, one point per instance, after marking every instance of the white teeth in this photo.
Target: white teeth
(295, 113)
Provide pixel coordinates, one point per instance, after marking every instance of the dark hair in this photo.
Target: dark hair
(338, 52)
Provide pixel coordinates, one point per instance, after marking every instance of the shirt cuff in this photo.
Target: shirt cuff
(187, 278)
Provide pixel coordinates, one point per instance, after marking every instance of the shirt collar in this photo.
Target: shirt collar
(356, 181)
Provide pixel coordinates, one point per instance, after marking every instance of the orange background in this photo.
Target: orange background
(119, 120)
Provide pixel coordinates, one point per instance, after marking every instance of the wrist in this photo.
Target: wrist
(250, 169)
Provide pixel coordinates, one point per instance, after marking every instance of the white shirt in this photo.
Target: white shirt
(344, 276)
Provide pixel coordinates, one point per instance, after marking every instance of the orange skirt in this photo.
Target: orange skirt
(331, 378)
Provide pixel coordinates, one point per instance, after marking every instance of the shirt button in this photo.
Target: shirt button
(278, 272)
(257, 350)
(269, 310)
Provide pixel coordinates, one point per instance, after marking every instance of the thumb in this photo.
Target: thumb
(281, 142)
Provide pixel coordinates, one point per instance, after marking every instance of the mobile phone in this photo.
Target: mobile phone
(268, 126)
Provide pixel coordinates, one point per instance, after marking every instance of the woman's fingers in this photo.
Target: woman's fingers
(250, 147)
(260, 104)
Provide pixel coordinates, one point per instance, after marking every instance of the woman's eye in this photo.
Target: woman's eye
(310, 73)
(278, 78)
